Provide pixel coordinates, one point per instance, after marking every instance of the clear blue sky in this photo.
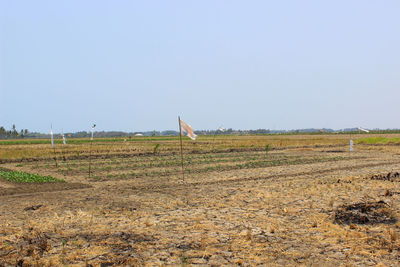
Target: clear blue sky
(137, 65)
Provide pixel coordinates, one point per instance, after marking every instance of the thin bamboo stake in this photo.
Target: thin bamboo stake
(63, 146)
(180, 138)
(349, 146)
(213, 142)
(53, 144)
(90, 156)
(55, 155)
(90, 149)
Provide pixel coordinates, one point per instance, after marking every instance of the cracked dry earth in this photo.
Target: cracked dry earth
(274, 216)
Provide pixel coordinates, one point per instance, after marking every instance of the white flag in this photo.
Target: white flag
(362, 129)
(51, 137)
(94, 125)
(221, 129)
(188, 129)
(351, 145)
(64, 140)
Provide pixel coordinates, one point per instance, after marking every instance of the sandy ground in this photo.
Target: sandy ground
(281, 215)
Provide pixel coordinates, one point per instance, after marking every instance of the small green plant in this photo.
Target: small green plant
(266, 148)
(23, 177)
(184, 259)
(63, 252)
(155, 148)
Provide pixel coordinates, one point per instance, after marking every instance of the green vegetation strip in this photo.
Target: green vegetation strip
(378, 140)
(23, 177)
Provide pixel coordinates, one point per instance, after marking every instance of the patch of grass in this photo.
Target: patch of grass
(23, 177)
(378, 140)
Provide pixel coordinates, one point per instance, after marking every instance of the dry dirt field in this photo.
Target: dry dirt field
(307, 202)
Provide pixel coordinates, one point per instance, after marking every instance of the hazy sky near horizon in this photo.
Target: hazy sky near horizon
(137, 65)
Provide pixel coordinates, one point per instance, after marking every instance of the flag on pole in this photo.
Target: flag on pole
(91, 137)
(351, 145)
(362, 129)
(221, 129)
(188, 129)
(64, 140)
(51, 137)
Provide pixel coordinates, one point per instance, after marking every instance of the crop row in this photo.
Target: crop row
(157, 162)
(218, 167)
(23, 177)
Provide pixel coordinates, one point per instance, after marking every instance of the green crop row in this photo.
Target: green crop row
(23, 177)
(378, 140)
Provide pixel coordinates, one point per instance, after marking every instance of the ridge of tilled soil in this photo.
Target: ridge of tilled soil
(223, 168)
(148, 154)
(24, 188)
(228, 181)
(19, 188)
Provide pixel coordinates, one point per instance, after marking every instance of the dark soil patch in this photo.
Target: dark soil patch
(24, 188)
(365, 213)
(390, 176)
(33, 207)
(335, 151)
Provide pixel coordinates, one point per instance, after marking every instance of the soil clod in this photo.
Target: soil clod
(35, 207)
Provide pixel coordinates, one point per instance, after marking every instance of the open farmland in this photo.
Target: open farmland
(305, 201)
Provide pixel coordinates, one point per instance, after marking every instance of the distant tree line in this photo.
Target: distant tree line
(13, 133)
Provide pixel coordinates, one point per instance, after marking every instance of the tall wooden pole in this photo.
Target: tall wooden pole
(180, 138)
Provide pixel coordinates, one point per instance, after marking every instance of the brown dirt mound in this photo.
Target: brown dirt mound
(391, 176)
(365, 213)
